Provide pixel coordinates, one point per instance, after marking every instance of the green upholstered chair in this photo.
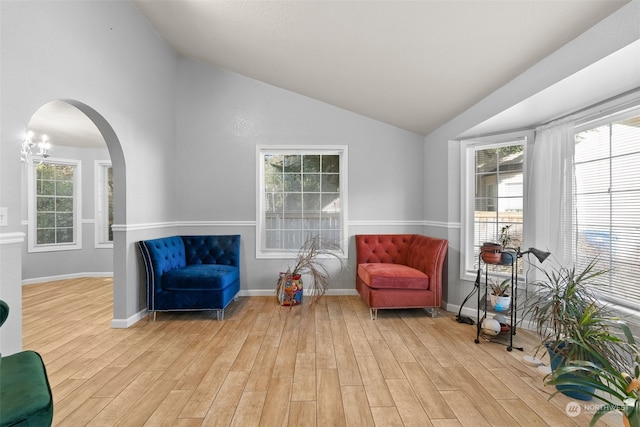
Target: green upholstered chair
(25, 394)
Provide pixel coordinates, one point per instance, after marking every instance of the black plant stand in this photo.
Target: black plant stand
(484, 306)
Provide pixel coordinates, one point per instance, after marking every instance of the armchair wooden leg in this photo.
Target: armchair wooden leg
(374, 313)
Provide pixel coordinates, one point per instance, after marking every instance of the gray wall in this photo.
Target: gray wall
(104, 55)
(222, 117)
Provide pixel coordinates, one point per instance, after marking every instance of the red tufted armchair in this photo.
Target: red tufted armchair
(400, 271)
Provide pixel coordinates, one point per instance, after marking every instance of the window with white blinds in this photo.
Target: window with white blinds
(607, 205)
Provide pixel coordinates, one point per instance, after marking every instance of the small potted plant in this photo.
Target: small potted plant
(499, 297)
(309, 261)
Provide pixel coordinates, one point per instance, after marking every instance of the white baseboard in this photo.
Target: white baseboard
(65, 277)
(271, 292)
(125, 323)
(473, 314)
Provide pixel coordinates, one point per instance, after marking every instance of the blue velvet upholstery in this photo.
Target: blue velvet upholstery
(191, 272)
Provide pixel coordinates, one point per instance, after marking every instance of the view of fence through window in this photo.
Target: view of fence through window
(301, 198)
(607, 206)
(499, 195)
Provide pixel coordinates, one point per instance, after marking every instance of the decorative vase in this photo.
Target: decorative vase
(290, 289)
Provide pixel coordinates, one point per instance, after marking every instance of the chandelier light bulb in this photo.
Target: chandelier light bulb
(29, 147)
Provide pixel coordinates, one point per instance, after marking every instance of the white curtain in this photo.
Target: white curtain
(550, 190)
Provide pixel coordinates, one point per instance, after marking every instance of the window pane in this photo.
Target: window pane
(330, 183)
(64, 235)
(292, 182)
(311, 182)
(46, 220)
(498, 194)
(46, 188)
(592, 177)
(273, 182)
(273, 163)
(311, 204)
(592, 144)
(331, 163)
(45, 171)
(64, 204)
(623, 172)
(54, 203)
(292, 163)
(64, 172)
(292, 240)
(64, 220)
(330, 203)
(46, 203)
(293, 202)
(301, 198)
(607, 189)
(64, 188)
(46, 236)
(312, 163)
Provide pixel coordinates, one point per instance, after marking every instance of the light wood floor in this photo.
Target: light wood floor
(266, 365)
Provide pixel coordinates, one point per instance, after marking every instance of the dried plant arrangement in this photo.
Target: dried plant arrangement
(309, 261)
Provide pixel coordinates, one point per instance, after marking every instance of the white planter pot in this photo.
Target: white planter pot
(501, 303)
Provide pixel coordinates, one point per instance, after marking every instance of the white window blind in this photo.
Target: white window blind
(607, 205)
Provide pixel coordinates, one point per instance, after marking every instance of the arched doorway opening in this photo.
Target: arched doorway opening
(74, 129)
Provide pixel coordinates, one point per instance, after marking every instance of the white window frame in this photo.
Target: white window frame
(32, 245)
(342, 150)
(468, 260)
(101, 226)
(579, 256)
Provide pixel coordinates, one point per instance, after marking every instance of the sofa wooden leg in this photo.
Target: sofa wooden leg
(374, 313)
(220, 314)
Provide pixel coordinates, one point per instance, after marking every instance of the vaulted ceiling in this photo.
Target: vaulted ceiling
(412, 64)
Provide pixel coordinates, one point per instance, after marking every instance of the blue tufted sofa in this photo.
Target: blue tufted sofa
(185, 273)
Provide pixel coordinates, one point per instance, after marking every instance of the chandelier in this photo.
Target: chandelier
(35, 150)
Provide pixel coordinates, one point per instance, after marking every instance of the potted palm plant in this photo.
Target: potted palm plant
(308, 261)
(570, 321)
(615, 382)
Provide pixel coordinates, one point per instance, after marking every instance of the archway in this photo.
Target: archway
(94, 119)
